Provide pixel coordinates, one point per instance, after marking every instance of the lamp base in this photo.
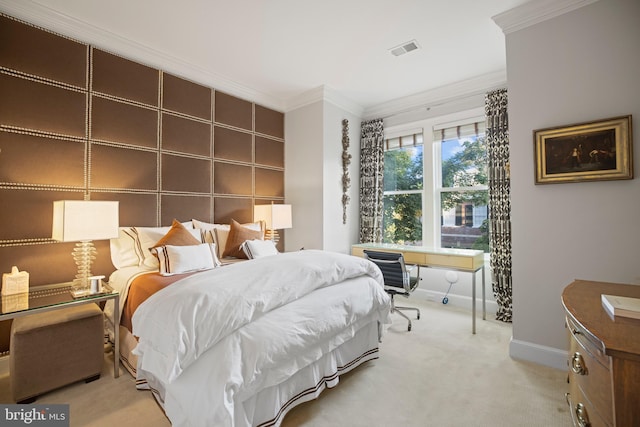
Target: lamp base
(83, 254)
(272, 235)
(79, 292)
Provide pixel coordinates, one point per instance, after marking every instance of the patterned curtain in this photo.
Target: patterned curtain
(497, 134)
(371, 176)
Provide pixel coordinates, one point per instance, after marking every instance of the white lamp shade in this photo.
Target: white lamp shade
(275, 216)
(79, 220)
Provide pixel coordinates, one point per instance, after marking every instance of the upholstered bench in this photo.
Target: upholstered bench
(52, 349)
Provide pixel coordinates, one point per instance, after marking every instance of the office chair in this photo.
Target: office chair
(397, 278)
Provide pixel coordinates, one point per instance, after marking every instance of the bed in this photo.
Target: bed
(241, 344)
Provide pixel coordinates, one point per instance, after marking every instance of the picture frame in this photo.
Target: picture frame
(592, 151)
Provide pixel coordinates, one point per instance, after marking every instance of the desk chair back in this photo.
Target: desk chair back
(394, 270)
(397, 278)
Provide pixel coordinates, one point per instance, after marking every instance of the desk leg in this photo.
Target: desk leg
(484, 298)
(116, 336)
(473, 302)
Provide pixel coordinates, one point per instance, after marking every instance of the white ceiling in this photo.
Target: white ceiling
(280, 49)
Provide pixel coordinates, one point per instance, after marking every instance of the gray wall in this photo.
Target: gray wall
(303, 183)
(577, 67)
(313, 185)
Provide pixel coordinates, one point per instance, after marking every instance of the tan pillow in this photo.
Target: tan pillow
(177, 235)
(221, 233)
(237, 236)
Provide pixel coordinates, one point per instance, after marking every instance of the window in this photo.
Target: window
(403, 190)
(462, 187)
(435, 183)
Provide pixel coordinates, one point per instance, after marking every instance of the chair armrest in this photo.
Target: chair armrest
(410, 268)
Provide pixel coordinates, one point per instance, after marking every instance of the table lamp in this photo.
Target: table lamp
(276, 217)
(83, 221)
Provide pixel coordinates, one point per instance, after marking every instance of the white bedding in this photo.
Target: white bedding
(120, 280)
(211, 342)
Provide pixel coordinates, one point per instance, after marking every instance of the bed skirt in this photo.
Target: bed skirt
(269, 406)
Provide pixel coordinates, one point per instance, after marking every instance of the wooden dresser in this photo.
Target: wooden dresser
(604, 357)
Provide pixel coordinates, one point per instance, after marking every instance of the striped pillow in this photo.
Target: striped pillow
(259, 248)
(131, 248)
(184, 259)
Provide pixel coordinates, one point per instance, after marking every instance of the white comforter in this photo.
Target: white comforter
(250, 326)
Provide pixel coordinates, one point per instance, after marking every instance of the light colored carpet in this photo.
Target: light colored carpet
(439, 374)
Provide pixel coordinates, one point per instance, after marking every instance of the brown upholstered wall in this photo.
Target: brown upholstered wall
(77, 122)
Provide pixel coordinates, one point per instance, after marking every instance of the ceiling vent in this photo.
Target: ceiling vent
(404, 48)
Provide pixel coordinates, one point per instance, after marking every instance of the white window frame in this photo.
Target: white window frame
(432, 167)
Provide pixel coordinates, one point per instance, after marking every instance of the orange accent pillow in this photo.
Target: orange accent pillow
(177, 235)
(237, 236)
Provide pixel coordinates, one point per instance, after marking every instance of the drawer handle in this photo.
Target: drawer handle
(578, 365)
(579, 416)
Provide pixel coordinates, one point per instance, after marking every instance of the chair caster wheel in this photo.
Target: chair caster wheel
(418, 316)
(445, 300)
(409, 329)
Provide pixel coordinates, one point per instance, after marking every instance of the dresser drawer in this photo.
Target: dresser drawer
(587, 341)
(590, 375)
(604, 357)
(582, 411)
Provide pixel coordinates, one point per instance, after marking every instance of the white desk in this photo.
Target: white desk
(465, 260)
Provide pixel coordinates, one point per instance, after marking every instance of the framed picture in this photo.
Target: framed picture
(593, 151)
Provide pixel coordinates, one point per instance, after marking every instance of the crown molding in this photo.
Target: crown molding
(334, 97)
(305, 98)
(438, 96)
(83, 32)
(534, 12)
(327, 94)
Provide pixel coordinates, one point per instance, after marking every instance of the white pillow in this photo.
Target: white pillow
(206, 230)
(131, 248)
(218, 233)
(259, 248)
(148, 237)
(123, 252)
(184, 259)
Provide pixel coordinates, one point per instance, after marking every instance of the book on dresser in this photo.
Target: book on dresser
(618, 306)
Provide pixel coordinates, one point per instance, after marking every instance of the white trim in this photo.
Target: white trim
(332, 96)
(65, 25)
(308, 97)
(323, 93)
(534, 12)
(438, 96)
(457, 300)
(540, 354)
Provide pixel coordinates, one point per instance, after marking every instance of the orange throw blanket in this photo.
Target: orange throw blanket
(142, 288)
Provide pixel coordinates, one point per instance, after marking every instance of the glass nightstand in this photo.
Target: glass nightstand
(44, 298)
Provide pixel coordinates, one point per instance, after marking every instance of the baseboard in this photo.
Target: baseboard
(460, 301)
(540, 354)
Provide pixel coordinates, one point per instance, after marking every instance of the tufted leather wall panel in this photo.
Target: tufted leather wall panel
(77, 122)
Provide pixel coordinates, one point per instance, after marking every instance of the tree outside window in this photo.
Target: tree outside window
(463, 196)
(455, 196)
(403, 184)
